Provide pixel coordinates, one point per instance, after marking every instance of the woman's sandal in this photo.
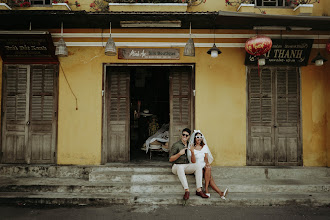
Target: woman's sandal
(208, 194)
(225, 193)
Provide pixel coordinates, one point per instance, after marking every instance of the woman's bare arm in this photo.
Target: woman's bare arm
(206, 160)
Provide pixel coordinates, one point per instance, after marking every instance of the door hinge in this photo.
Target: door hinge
(102, 93)
(55, 114)
(194, 91)
(54, 154)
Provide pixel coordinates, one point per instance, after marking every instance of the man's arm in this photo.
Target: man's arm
(176, 156)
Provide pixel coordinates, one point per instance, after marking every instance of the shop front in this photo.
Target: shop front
(90, 109)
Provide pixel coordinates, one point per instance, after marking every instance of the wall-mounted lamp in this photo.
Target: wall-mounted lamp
(189, 49)
(214, 51)
(110, 47)
(319, 60)
(61, 49)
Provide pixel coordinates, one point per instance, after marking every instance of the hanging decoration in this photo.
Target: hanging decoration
(258, 46)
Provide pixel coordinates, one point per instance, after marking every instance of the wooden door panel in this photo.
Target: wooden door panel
(260, 150)
(15, 148)
(29, 126)
(287, 134)
(180, 102)
(118, 149)
(15, 108)
(42, 128)
(41, 147)
(273, 117)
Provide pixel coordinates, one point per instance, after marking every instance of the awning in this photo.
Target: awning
(20, 19)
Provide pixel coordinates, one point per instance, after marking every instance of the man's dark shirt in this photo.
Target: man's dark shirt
(183, 159)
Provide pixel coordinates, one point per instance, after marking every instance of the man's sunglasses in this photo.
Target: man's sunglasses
(185, 135)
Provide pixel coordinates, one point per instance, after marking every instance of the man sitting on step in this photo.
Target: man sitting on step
(181, 165)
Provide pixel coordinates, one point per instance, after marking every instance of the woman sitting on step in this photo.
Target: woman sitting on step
(203, 155)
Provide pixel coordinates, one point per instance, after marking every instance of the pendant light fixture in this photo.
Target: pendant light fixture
(189, 49)
(319, 59)
(262, 60)
(61, 49)
(214, 51)
(110, 47)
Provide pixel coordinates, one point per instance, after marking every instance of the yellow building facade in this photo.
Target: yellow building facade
(220, 85)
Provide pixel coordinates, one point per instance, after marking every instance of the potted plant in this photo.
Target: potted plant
(302, 7)
(4, 5)
(64, 4)
(247, 6)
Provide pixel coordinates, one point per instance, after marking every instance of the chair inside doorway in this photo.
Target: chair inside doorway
(149, 109)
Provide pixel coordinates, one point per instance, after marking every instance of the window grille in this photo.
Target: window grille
(40, 2)
(271, 3)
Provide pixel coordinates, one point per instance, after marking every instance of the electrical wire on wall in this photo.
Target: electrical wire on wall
(70, 87)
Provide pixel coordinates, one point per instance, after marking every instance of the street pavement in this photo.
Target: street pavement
(123, 212)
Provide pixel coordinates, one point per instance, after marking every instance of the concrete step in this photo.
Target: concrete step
(104, 173)
(85, 186)
(53, 171)
(233, 199)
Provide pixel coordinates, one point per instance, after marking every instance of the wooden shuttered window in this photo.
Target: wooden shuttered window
(287, 96)
(30, 102)
(273, 117)
(118, 116)
(261, 96)
(42, 88)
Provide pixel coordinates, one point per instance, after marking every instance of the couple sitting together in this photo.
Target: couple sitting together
(194, 157)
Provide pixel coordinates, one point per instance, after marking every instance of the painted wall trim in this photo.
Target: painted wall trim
(160, 44)
(303, 6)
(63, 4)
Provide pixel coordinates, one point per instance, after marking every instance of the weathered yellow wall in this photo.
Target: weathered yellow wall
(79, 131)
(218, 115)
(314, 113)
(221, 104)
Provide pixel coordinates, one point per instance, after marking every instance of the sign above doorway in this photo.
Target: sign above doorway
(149, 53)
(285, 52)
(27, 47)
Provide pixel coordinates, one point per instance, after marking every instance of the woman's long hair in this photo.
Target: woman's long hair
(202, 142)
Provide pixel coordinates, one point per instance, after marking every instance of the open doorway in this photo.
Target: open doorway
(149, 110)
(146, 106)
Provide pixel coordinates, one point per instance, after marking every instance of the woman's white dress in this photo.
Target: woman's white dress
(200, 154)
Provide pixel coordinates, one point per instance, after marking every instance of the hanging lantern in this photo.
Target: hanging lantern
(328, 47)
(258, 45)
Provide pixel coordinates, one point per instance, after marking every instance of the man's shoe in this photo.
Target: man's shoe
(202, 194)
(186, 195)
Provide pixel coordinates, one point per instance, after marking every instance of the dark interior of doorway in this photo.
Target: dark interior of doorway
(149, 109)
